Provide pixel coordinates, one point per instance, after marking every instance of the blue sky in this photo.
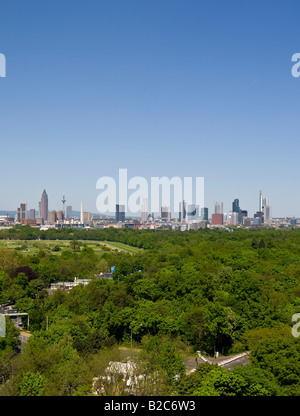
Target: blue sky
(160, 87)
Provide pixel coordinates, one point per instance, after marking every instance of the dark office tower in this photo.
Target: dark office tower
(182, 211)
(204, 214)
(236, 205)
(236, 208)
(44, 206)
(120, 213)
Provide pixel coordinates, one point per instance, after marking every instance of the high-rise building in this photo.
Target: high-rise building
(52, 217)
(204, 214)
(21, 212)
(165, 214)
(182, 211)
(247, 222)
(268, 214)
(23, 208)
(60, 215)
(219, 208)
(81, 213)
(69, 212)
(264, 210)
(259, 215)
(236, 208)
(260, 202)
(236, 205)
(144, 209)
(18, 215)
(120, 213)
(44, 206)
(32, 214)
(87, 218)
(233, 218)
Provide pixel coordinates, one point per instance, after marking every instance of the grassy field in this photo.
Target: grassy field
(33, 246)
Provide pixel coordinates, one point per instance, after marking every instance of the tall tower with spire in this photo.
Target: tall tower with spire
(44, 206)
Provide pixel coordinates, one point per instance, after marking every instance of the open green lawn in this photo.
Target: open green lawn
(33, 246)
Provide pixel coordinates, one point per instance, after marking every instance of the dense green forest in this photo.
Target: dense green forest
(205, 290)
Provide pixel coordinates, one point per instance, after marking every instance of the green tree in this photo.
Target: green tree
(31, 384)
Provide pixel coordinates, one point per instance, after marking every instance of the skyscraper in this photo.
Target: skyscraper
(219, 208)
(21, 212)
(182, 211)
(144, 209)
(233, 218)
(236, 208)
(165, 213)
(52, 218)
(81, 213)
(236, 205)
(260, 202)
(204, 214)
(32, 214)
(44, 206)
(60, 215)
(120, 213)
(268, 214)
(69, 212)
(23, 208)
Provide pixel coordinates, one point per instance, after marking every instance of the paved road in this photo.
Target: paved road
(191, 363)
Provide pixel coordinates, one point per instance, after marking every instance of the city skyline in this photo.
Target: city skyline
(186, 210)
(165, 88)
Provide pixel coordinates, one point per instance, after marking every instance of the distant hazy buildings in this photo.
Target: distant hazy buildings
(264, 213)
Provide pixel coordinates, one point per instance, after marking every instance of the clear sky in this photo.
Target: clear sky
(160, 87)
